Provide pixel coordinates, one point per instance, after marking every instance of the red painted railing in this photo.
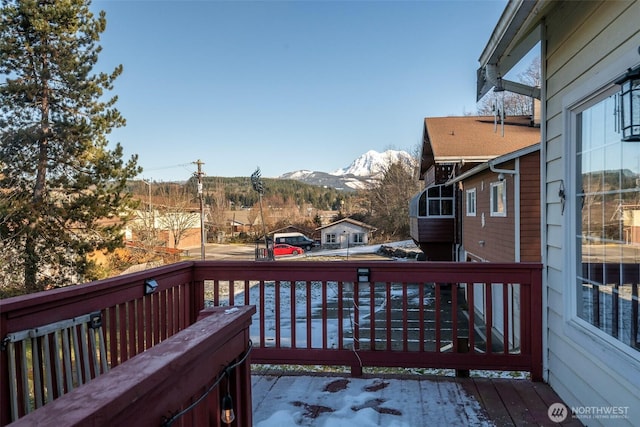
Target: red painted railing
(179, 382)
(132, 322)
(396, 314)
(402, 314)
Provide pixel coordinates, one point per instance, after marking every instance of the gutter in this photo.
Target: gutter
(514, 35)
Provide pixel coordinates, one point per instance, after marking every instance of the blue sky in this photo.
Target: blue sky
(286, 85)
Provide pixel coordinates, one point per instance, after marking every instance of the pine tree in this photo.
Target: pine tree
(63, 189)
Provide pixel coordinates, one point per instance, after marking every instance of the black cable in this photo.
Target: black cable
(226, 372)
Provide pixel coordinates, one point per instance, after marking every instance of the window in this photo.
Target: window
(498, 199)
(358, 237)
(436, 201)
(606, 222)
(331, 238)
(471, 202)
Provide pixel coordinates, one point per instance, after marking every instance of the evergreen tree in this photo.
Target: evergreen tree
(63, 189)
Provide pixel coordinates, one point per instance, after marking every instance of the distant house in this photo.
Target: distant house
(500, 215)
(159, 228)
(451, 146)
(241, 221)
(590, 197)
(345, 233)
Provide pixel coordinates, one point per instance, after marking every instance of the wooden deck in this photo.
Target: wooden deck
(333, 399)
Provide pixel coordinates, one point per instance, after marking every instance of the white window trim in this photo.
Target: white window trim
(493, 185)
(440, 199)
(471, 212)
(577, 329)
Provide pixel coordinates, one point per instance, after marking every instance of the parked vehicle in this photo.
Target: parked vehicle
(294, 239)
(284, 249)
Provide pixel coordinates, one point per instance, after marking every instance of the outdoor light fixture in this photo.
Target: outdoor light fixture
(364, 275)
(150, 286)
(227, 415)
(630, 105)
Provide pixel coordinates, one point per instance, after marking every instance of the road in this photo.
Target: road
(246, 252)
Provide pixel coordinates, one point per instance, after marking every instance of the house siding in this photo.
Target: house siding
(584, 41)
(495, 241)
(530, 250)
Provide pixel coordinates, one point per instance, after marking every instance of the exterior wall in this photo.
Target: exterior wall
(486, 237)
(431, 230)
(588, 45)
(530, 250)
(190, 238)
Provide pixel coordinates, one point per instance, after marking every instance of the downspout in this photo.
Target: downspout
(516, 201)
(543, 202)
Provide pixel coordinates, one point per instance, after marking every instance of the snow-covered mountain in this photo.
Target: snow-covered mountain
(372, 163)
(355, 176)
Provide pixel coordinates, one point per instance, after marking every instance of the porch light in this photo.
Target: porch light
(227, 414)
(150, 286)
(364, 275)
(630, 105)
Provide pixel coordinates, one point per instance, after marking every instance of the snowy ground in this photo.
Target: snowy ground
(345, 401)
(368, 249)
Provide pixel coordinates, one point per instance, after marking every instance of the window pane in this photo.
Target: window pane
(447, 207)
(422, 204)
(447, 191)
(607, 198)
(434, 207)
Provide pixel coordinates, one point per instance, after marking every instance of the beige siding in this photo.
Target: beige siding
(585, 40)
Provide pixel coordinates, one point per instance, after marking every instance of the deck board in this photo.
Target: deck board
(403, 400)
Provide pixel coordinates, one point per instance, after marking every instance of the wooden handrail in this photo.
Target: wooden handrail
(134, 323)
(149, 388)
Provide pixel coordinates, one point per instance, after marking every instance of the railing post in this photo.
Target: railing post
(536, 324)
(463, 347)
(196, 299)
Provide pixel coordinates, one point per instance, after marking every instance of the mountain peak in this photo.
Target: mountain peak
(373, 163)
(355, 176)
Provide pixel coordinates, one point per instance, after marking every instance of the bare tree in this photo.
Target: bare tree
(218, 204)
(389, 200)
(177, 212)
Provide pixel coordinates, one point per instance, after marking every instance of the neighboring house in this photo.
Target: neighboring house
(450, 147)
(345, 233)
(500, 222)
(163, 226)
(241, 221)
(589, 194)
(501, 208)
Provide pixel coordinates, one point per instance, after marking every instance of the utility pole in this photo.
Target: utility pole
(199, 175)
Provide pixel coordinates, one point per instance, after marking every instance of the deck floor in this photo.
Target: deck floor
(283, 399)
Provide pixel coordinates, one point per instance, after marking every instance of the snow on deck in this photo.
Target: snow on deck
(280, 401)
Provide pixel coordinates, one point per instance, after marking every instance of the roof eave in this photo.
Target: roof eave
(512, 38)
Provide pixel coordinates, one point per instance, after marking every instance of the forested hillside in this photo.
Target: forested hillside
(239, 193)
